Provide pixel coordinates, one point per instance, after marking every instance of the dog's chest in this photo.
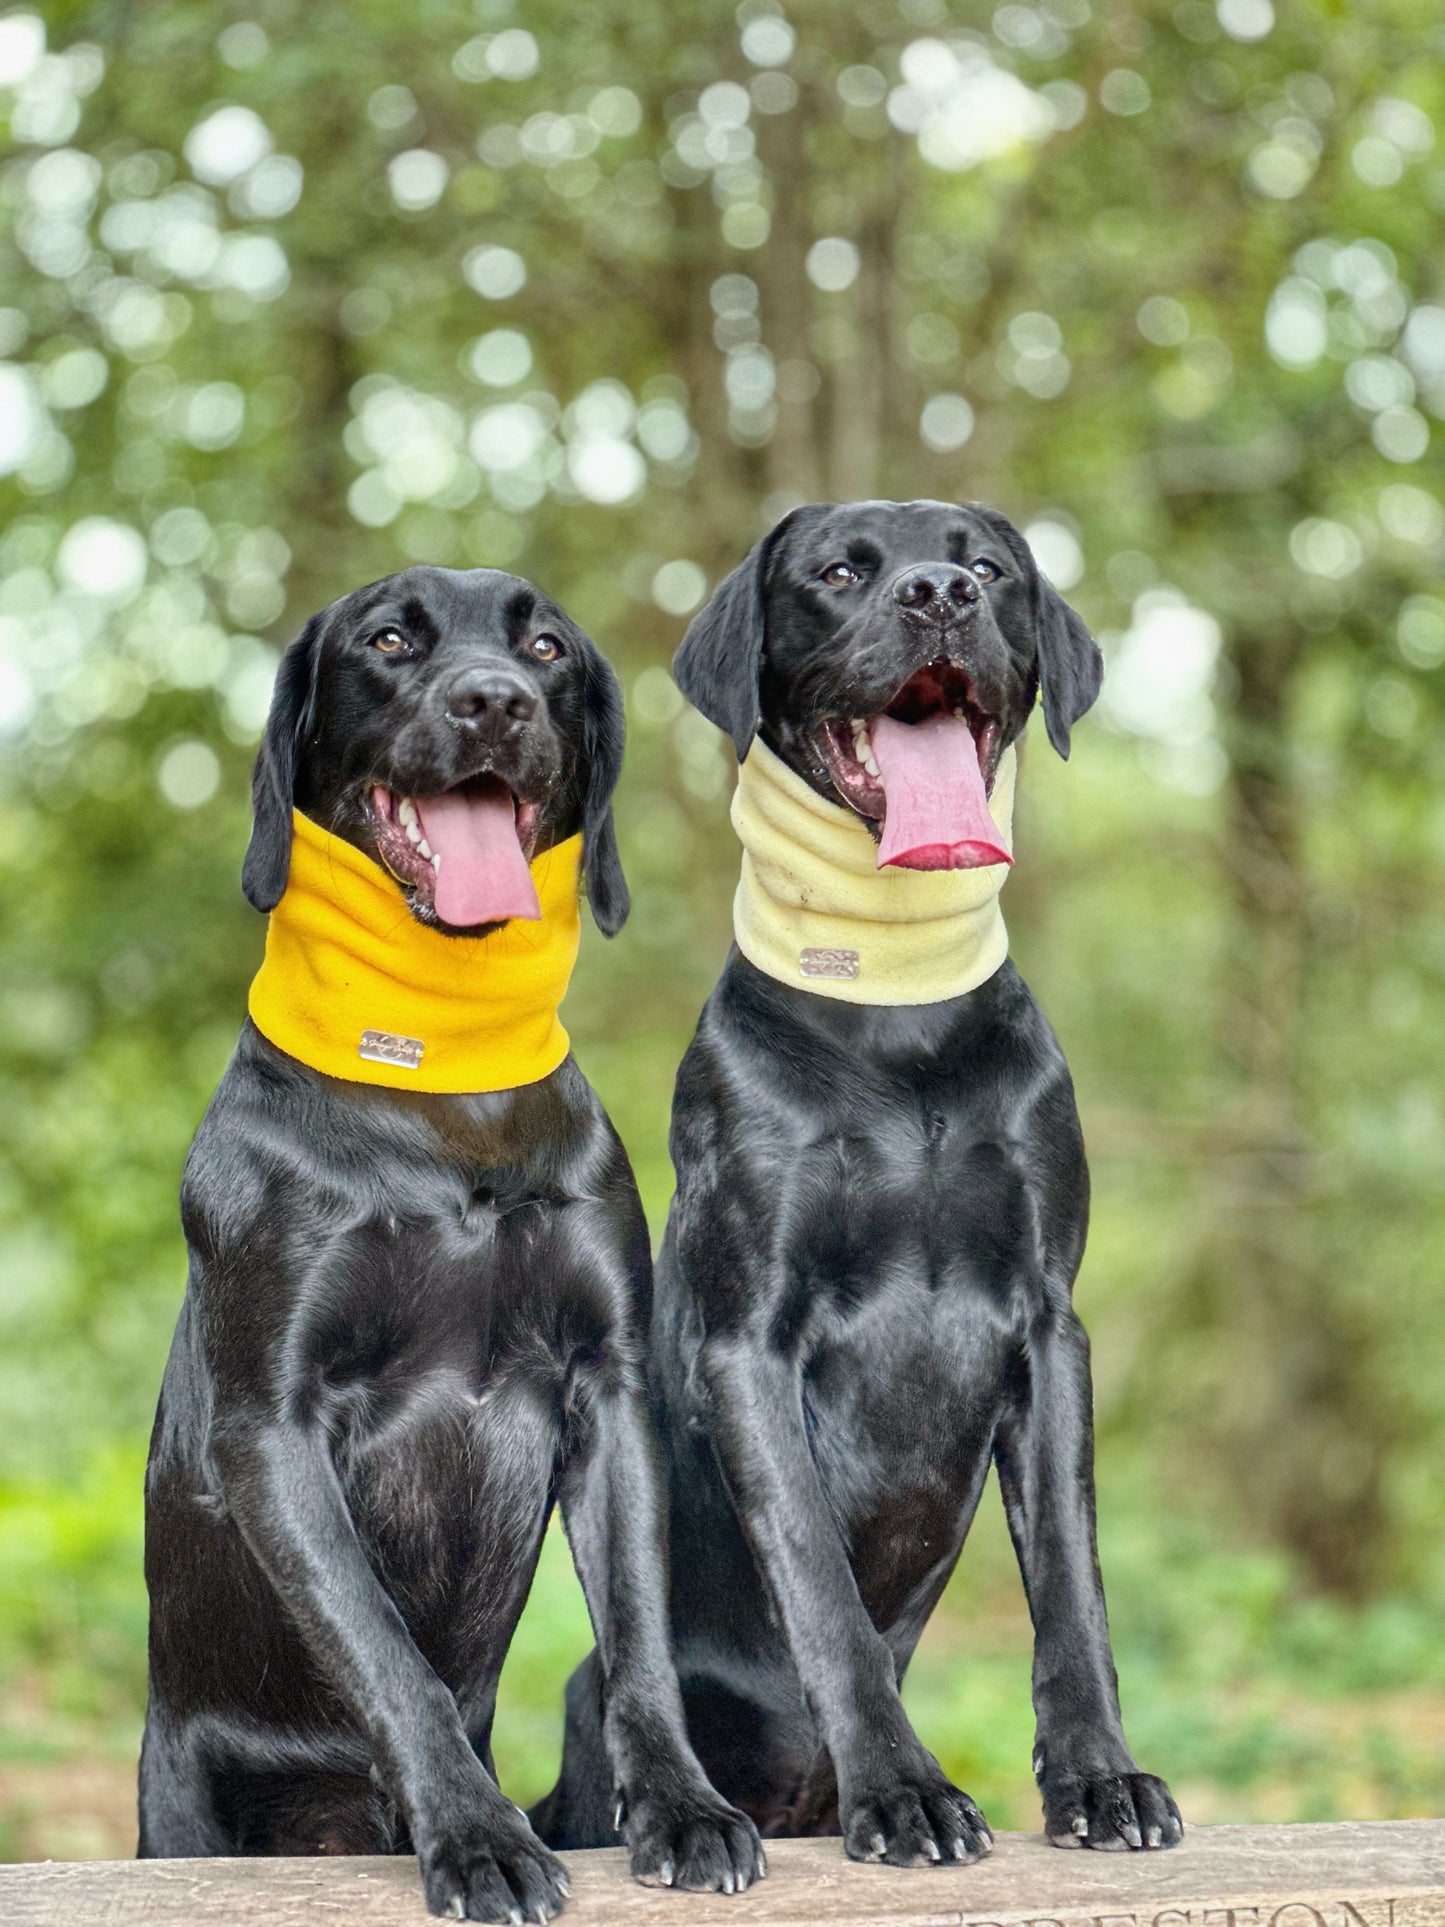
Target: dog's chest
(444, 1375)
(934, 1217)
(902, 1405)
(456, 1319)
(913, 1278)
(902, 1384)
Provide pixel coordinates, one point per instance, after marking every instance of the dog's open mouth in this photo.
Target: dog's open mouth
(923, 770)
(464, 851)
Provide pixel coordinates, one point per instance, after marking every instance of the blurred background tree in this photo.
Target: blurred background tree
(292, 296)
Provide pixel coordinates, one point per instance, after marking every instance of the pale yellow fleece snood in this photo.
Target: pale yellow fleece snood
(813, 909)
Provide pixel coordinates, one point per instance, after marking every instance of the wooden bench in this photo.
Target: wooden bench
(1386, 1873)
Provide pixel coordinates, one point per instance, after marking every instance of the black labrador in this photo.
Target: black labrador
(864, 1294)
(411, 1324)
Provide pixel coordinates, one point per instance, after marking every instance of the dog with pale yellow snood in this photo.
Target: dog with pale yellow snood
(864, 1296)
(419, 1285)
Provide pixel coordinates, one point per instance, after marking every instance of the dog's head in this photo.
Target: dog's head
(892, 647)
(451, 724)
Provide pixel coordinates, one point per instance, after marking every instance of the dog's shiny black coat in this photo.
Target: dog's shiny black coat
(864, 1294)
(411, 1323)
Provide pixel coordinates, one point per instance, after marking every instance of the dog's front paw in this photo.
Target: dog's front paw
(1111, 1812)
(691, 1839)
(912, 1815)
(490, 1866)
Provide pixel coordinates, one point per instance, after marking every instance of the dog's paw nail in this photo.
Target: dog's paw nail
(456, 1908)
(667, 1873)
(762, 1868)
(1081, 1826)
(1156, 1836)
(931, 1848)
(514, 1914)
(877, 1847)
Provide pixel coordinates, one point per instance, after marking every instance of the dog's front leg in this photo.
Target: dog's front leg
(479, 1858)
(680, 1831)
(894, 1801)
(1094, 1794)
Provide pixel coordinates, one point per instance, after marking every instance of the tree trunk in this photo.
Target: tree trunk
(793, 467)
(1302, 1424)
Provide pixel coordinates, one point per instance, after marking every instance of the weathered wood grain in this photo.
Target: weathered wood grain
(1377, 1874)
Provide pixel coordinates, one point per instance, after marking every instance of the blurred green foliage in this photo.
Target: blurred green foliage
(291, 296)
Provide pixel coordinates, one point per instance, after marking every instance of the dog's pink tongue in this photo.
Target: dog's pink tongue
(484, 876)
(936, 816)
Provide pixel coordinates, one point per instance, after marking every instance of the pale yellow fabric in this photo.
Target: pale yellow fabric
(344, 955)
(810, 881)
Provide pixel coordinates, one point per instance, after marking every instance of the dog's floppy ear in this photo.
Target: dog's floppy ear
(603, 733)
(719, 663)
(273, 782)
(1070, 665)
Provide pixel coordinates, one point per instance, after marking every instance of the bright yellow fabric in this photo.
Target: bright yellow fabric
(810, 882)
(344, 955)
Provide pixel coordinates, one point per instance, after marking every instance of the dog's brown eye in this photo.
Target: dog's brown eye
(391, 642)
(837, 575)
(985, 571)
(546, 648)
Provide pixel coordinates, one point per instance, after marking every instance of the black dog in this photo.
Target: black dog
(411, 1323)
(864, 1295)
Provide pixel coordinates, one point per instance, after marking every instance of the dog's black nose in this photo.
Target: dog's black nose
(490, 698)
(931, 590)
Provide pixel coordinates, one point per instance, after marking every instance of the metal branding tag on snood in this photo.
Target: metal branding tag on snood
(815, 962)
(386, 1047)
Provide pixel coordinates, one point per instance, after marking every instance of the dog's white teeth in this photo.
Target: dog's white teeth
(406, 813)
(959, 716)
(436, 863)
(862, 745)
(413, 831)
(424, 848)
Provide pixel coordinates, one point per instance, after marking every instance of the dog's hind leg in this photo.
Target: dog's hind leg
(578, 1811)
(178, 1818)
(680, 1832)
(1094, 1794)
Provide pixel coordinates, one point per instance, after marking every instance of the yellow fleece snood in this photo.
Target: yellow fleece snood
(814, 910)
(354, 986)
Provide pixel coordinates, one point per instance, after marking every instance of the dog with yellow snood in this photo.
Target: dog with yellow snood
(419, 1285)
(864, 1293)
